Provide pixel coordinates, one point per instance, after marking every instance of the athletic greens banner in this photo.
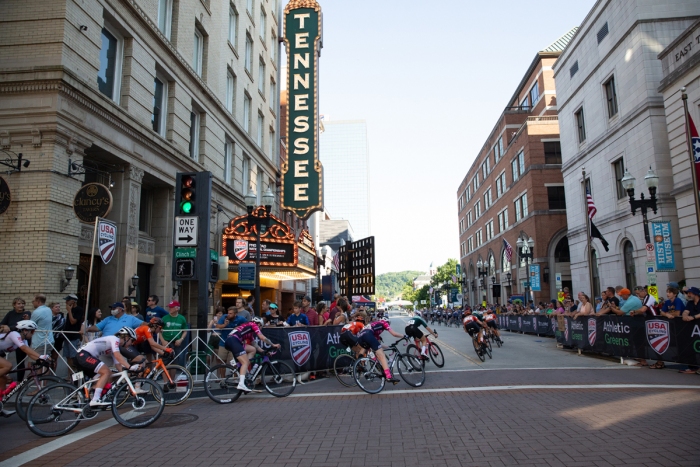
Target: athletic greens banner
(302, 183)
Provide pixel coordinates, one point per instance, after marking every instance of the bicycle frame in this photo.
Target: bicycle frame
(32, 375)
(123, 378)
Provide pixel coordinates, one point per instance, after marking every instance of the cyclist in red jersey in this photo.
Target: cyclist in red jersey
(490, 321)
(472, 323)
(241, 342)
(369, 337)
(349, 332)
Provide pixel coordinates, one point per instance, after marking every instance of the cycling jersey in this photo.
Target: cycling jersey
(489, 317)
(143, 333)
(246, 332)
(107, 345)
(469, 319)
(353, 327)
(417, 321)
(378, 327)
(11, 341)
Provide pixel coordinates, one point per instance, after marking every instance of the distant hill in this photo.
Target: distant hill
(390, 284)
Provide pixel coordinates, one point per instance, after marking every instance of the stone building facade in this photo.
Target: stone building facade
(130, 92)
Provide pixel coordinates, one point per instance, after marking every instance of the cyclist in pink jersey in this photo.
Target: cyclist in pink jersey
(370, 336)
(241, 342)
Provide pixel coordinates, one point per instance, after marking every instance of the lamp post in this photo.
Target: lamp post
(652, 181)
(258, 216)
(482, 271)
(525, 250)
(134, 284)
(508, 276)
(493, 283)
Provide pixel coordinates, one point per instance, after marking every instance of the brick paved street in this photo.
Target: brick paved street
(581, 411)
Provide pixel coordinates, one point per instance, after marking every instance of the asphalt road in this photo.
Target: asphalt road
(532, 404)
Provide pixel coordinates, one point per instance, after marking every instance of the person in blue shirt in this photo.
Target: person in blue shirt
(152, 308)
(673, 307)
(224, 326)
(119, 319)
(297, 318)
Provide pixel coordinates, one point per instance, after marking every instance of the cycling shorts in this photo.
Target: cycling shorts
(348, 339)
(492, 324)
(367, 340)
(88, 364)
(413, 331)
(129, 353)
(472, 327)
(235, 346)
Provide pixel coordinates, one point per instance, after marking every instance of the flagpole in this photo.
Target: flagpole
(588, 236)
(92, 260)
(693, 171)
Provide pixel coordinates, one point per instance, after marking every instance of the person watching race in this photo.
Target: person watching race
(370, 336)
(10, 342)
(241, 342)
(89, 362)
(473, 324)
(413, 330)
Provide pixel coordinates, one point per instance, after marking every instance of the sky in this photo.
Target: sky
(431, 80)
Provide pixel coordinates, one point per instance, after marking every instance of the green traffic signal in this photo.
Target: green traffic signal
(186, 207)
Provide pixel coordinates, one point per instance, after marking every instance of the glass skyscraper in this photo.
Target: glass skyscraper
(345, 157)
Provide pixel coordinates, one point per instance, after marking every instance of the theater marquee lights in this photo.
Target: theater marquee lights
(302, 174)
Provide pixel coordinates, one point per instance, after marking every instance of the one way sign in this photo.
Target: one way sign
(186, 231)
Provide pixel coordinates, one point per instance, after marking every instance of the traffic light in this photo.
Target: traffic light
(186, 184)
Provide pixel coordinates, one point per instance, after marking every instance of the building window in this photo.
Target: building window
(503, 220)
(469, 193)
(630, 270)
(602, 32)
(261, 125)
(232, 25)
(248, 54)
(273, 95)
(261, 77)
(262, 27)
(470, 244)
(273, 47)
(198, 52)
(501, 184)
(580, 125)
(485, 168)
(228, 161)
(479, 239)
(487, 198)
(245, 175)
(611, 97)
(552, 152)
(521, 162)
(165, 15)
(145, 210)
(110, 73)
(461, 226)
(246, 113)
(556, 197)
(505, 263)
(524, 104)
(195, 120)
(249, 7)
(619, 168)
(230, 91)
(573, 69)
(476, 182)
(273, 144)
(535, 93)
(514, 168)
(521, 207)
(489, 231)
(469, 219)
(477, 209)
(498, 151)
(160, 96)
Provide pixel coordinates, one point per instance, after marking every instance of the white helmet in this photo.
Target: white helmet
(126, 331)
(26, 324)
(259, 321)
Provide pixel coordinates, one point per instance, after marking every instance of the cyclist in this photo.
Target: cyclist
(348, 333)
(490, 321)
(145, 343)
(89, 361)
(413, 330)
(472, 324)
(10, 342)
(369, 338)
(241, 342)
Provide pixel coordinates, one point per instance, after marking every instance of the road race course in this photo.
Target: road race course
(532, 404)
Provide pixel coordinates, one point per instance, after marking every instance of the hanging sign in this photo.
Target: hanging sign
(302, 184)
(535, 277)
(663, 244)
(91, 201)
(107, 235)
(5, 195)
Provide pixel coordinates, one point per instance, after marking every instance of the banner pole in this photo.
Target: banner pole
(589, 243)
(92, 260)
(693, 172)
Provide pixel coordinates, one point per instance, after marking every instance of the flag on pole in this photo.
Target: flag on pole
(336, 261)
(431, 289)
(509, 250)
(454, 278)
(595, 233)
(695, 144)
(591, 205)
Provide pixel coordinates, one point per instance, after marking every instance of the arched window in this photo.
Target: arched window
(505, 263)
(492, 265)
(630, 271)
(561, 252)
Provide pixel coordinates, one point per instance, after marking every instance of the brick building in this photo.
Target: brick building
(131, 91)
(514, 189)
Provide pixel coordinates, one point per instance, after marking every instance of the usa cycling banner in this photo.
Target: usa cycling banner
(309, 348)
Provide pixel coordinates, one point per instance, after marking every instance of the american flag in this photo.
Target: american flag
(454, 278)
(695, 143)
(509, 249)
(336, 261)
(591, 205)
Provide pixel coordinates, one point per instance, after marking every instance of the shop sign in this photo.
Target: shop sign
(302, 171)
(278, 247)
(91, 201)
(5, 195)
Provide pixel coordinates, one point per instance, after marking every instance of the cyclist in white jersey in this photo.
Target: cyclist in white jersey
(89, 361)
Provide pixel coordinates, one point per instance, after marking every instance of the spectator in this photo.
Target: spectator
(214, 336)
(225, 325)
(305, 304)
(272, 316)
(152, 308)
(94, 316)
(629, 303)
(334, 303)
(58, 321)
(111, 324)
(176, 332)
(586, 307)
(598, 304)
(42, 316)
(242, 310)
(9, 323)
(609, 300)
(296, 318)
(648, 303)
(75, 316)
(620, 299)
(341, 309)
(323, 313)
(249, 306)
(313, 316)
(264, 307)
(674, 285)
(135, 310)
(673, 306)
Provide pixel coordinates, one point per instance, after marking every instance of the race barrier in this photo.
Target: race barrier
(672, 340)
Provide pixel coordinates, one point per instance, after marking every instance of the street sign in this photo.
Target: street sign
(184, 268)
(213, 255)
(654, 292)
(181, 253)
(650, 252)
(422, 302)
(186, 231)
(557, 277)
(246, 276)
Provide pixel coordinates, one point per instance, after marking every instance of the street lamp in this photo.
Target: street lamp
(482, 270)
(258, 217)
(68, 273)
(134, 284)
(652, 181)
(508, 277)
(525, 252)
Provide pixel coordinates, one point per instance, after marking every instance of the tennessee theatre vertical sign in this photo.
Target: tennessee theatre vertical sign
(302, 183)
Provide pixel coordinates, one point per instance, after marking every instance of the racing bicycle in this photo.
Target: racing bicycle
(482, 349)
(369, 374)
(26, 389)
(434, 351)
(175, 381)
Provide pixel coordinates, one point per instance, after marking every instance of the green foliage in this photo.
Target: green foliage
(444, 273)
(391, 284)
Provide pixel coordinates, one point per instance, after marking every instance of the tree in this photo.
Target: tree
(444, 273)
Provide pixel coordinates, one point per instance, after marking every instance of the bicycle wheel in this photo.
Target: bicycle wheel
(342, 367)
(414, 350)
(48, 413)
(477, 349)
(279, 378)
(436, 355)
(488, 349)
(176, 383)
(220, 384)
(499, 342)
(411, 370)
(140, 409)
(369, 375)
(25, 395)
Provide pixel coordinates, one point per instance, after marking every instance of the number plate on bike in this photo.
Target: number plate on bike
(77, 376)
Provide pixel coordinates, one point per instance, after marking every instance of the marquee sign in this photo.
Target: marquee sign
(302, 174)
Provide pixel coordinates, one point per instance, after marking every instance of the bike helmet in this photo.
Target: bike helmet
(259, 321)
(155, 321)
(26, 324)
(126, 331)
